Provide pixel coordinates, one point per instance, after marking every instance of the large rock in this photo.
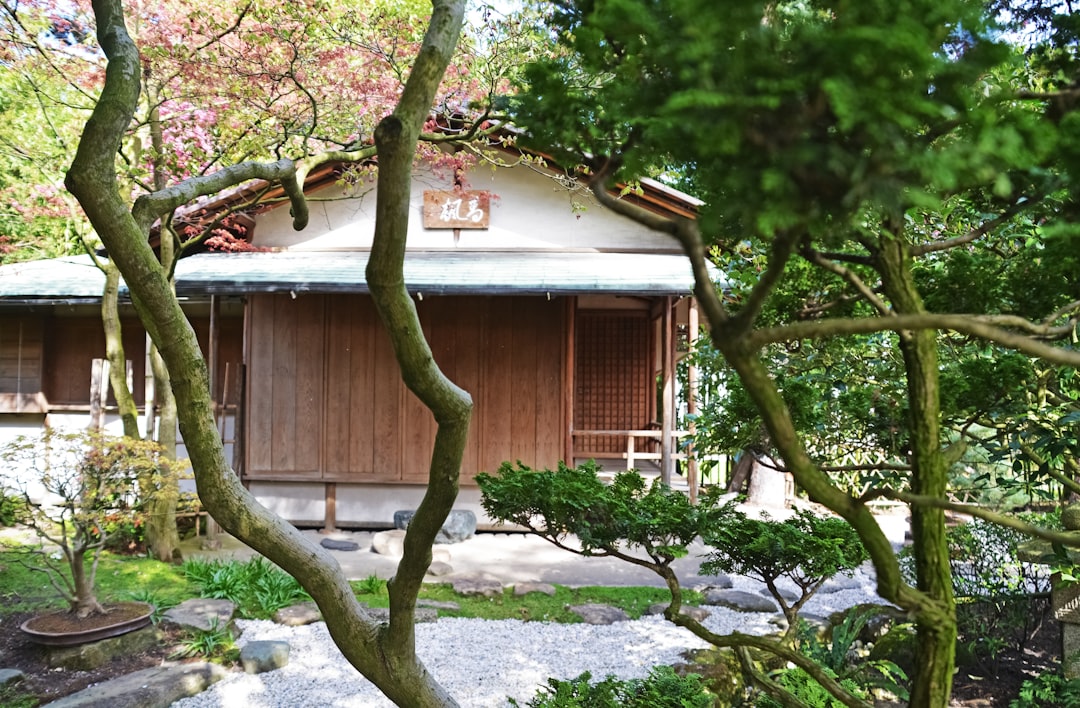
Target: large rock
(740, 601)
(84, 657)
(593, 613)
(201, 614)
(389, 543)
(156, 687)
(459, 525)
(483, 584)
(261, 656)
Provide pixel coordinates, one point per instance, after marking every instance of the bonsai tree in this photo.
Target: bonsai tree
(71, 485)
(652, 525)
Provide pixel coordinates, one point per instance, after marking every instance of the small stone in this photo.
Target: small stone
(10, 676)
(389, 543)
(298, 615)
(593, 613)
(698, 614)
(261, 656)
(477, 584)
(526, 588)
(335, 544)
(201, 614)
(439, 569)
(439, 605)
(740, 601)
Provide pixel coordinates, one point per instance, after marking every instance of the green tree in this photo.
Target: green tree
(829, 140)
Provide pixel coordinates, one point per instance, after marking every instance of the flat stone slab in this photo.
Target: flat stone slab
(526, 588)
(298, 615)
(202, 614)
(740, 601)
(477, 584)
(593, 613)
(156, 687)
(336, 544)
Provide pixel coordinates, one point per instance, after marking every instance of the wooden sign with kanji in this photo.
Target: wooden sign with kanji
(456, 210)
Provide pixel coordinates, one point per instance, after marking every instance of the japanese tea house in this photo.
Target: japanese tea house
(561, 319)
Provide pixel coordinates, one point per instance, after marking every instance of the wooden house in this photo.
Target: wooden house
(561, 319)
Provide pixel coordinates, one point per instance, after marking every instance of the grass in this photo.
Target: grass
(259, 588)
(119, 578)
(534, 606)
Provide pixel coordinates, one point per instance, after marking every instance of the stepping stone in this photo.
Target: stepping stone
(526, 588)
(298, 615)
(156, 687)
(201, 614)
(842, 582)
(483, 584)
(698, 614)
(719, 582)
(335, 544)
(740, 601)
(258, 657)
(599, 614)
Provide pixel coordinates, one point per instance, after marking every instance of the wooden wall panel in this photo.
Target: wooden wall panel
(283, 399)
(259, 410)
(386, 410)
(494, 416)
(309, 402)
(468, 329)
(550, 412)
(527, 336)
(71, 345)
(22, 347)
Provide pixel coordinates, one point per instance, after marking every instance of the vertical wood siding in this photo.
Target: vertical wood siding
(506, 352)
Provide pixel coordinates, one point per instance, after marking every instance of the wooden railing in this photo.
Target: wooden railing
(631, 453)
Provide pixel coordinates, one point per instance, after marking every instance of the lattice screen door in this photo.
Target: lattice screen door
(611, 381)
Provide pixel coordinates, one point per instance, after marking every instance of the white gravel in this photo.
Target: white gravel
(482, 662)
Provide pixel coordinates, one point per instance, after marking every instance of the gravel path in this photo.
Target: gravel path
(482, 662)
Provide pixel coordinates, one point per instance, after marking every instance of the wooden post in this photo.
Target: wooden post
(99, 392)
(330, 522)
(568, 377)
(150, 394)
(212, 347)
(630, 451)
(691, 398)
(667, 377)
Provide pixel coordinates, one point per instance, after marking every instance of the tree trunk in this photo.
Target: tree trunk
(114, 350)
(162, 538)
(385, 656)
(935, 649)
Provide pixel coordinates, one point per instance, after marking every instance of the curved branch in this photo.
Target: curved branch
(974, 234)
(855, 281)
(976, 326)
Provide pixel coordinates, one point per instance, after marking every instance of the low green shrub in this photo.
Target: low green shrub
(662, 688)
(1049, 690)
(257, 587)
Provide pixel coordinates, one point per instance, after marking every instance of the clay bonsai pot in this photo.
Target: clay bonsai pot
(64, 629)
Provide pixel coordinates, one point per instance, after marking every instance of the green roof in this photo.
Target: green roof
(458, 272)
